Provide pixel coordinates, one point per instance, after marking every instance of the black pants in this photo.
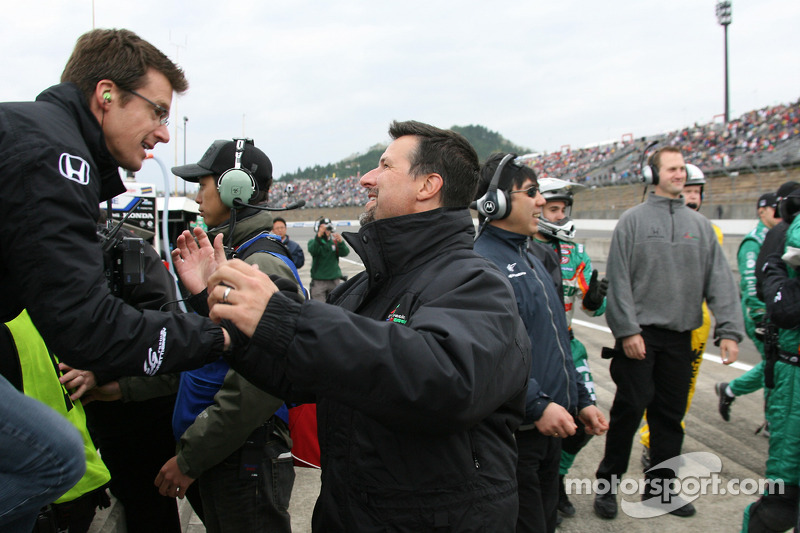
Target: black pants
(135, 440)
(537, 479)
(658, 383)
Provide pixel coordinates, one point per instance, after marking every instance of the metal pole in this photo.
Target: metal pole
(727, 106)
(724, 18)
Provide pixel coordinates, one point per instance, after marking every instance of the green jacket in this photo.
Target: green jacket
(782, 410)
(753, 309)
(325, 258)
(239, 407)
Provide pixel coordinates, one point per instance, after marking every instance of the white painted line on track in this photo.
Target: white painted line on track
(707, 356)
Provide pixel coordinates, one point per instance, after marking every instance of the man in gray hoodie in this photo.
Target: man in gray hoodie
(663, 261)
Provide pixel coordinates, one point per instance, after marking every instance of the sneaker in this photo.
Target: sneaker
(725, 401)
(685, 511)
(646, 458)
(564, 505)
(605, 505)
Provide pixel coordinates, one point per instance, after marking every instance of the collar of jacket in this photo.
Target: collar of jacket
(249, 222)
(400, 244)
(70, 97)
(515, 240)
(663, 201)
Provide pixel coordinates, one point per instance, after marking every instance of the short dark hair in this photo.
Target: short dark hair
(120, 56)
(443, 152)
(279, 219)
(655, 159)
(513, 175)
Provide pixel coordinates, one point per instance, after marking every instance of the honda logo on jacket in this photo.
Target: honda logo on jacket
(74, 168)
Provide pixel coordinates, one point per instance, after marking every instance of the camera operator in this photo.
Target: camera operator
(59, 159)
(325, 249)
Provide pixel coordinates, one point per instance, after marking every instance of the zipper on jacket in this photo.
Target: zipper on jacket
(672, 219)
(474, 452)
(564, 367)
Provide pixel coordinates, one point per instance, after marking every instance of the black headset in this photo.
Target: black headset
(650, 170)
(237, 183)
(495, 204)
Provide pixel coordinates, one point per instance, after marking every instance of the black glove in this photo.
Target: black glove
(596, 293)
(288, 287)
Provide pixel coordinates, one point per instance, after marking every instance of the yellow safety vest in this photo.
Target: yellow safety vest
(40, 381)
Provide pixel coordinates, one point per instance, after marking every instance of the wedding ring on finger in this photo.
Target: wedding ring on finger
(226, 294)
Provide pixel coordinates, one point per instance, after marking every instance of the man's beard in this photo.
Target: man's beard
(367, 216)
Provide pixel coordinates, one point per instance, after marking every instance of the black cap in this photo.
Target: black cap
(221, 156)
(768, 199)
(786, 188)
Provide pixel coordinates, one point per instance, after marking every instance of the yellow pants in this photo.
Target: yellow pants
(699, 339)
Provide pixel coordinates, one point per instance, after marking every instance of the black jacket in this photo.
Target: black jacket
(55, 170)
(774, 242)
(419, 370)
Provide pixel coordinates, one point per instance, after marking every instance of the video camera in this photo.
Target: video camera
(123, 256)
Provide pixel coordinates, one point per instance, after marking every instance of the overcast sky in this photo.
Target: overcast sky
(313, 82)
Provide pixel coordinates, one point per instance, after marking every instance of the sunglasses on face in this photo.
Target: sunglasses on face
(532, 191)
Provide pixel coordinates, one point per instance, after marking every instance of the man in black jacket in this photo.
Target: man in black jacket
(59, 159)
(419, 367)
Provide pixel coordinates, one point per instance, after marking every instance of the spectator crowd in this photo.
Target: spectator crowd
(763, 138)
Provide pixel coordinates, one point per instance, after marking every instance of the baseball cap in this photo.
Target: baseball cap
(221, 156)
(786, 188)
(769, 199)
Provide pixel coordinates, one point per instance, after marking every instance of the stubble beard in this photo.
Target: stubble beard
(367, 216)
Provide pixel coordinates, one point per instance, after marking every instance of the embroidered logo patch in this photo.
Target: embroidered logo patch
(510, 267)
(156, 357)
(74, 168)
(394, 316)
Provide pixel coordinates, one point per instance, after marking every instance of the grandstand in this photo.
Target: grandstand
(742, 159)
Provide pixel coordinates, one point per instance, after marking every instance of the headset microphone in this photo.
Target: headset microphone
(296, 205)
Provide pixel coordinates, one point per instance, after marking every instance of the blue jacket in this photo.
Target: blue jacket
(553, 376)
(298, 257)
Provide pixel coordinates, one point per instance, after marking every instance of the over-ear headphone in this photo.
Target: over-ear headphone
(650, 170)
(237, 183)
(107, 96)
(496, 203)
